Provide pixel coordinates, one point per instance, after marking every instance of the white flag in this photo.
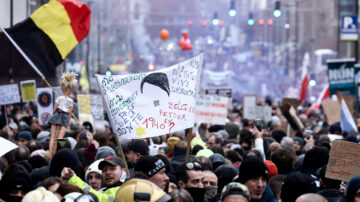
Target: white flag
(153, 103)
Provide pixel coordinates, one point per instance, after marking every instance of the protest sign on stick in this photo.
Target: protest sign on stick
(211, 109)
(344, 160)
(248, 101)
(154, 103)
(28, 90)
(9, 94)
(332, 111)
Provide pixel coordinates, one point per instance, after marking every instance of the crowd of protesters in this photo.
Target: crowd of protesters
(231, 162)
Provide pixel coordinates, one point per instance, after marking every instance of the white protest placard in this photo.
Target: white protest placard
(44, 99)
(258, 112)
(211, 109)
(9, 94)
(153, 103)
(97, 110)
(6, 146)
(248, 101)
(28, 90)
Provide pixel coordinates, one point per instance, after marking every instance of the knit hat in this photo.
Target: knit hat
(43, 136)
(149, 165)
(354, 185)
(138, 146)
(171, 142)
(294, 186)
(90, 152)
(65, 158)
(301, 141)
(235, 188)
(112, 160)
(225, 174)
(205, 152)
(15, 178)
(166, 162)
(94, 167)
(38, 161)
(233, 130)
(252, 167)
(24, 135)
(273, 171)
(104, 152)
(316, 158)
(40, 195)
(223, 133)
(217, 160)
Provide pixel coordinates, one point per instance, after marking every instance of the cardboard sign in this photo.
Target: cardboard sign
(259, 112)
(153, 103)
(332, 111)
(9, 94)
(290, 114)
(344, 161)
(44, 99)
(211, 109)
(291, 101)
(248, 101)
(28, 90)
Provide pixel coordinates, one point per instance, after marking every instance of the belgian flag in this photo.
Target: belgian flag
(52, 32)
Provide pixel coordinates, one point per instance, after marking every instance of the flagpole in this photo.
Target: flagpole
(23, 54)
(33, 66)
(189, 137)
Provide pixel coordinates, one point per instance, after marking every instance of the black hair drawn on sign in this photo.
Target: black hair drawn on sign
(158, 79)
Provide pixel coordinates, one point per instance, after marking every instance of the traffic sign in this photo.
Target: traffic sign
(349, 28)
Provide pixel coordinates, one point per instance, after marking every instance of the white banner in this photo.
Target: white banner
(44, 97)
(153, 103)
(6, 146)
(9, 94)
(211, 109)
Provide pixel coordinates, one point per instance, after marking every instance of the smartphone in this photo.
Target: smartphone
(61, 144)
(258, 124)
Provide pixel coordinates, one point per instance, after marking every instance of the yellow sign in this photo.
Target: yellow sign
(28, 90)
(84, 104)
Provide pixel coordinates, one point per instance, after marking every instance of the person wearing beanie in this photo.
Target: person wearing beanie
(171, 142)
(93, 175)
(15, 183)
(65, 158)
(134, 150)
(294, 186)
(103, 152)
(154, 169)
(225, 173)
(23, 137)
(254, 174)
(37, 161)
(89, 154)
(233, 130)
(298, 145)
(353, 189)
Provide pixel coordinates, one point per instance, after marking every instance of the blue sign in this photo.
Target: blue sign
(349, 28)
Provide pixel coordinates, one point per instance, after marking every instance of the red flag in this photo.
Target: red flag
(325, 93)
(304, 77)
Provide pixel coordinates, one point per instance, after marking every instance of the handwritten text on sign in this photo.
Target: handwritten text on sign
(9, 94)
(344, 160)
(211, 109)
(154, 103)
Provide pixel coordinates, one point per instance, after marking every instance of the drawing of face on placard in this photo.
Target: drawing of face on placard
(154, 87)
